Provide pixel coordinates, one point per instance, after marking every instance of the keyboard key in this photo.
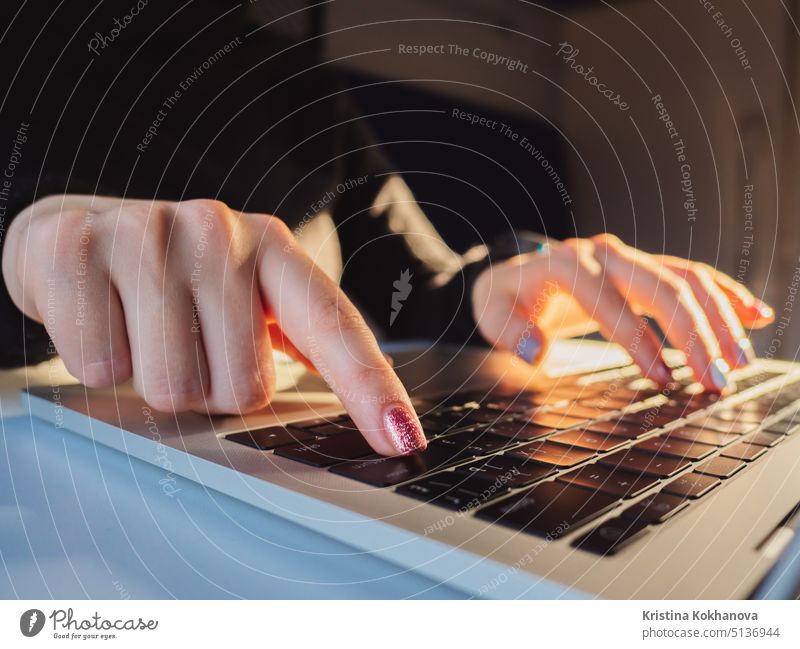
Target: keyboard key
(636, 393)
(785, 426)
(686, 407)
(693, 397)
(644, 463)
(390, 471)
(770, 405)
(333, 428)
(692, 485)
(483, 416)
(550, 420)
(587, 439)
(476, 441)
(455, 490)
(550, 509)
(617, 428)
(552, 454)
(664, 445)
(609, 403)
(721, 426)
(514, 472)
(516, 431)
(318, 421)
(721, 467)
(510, 409)
(765, 438)
(328, 450)
(649, 419)
(434, 426)
(674, 410)
(702, 436)
(266, 439)
(429, 488)
(575, 392)
(466, 398)
(621, 484)
(544, 399)
(744, 451)
(611, 536)
(739, 413)
(580, 411)
(655, 508)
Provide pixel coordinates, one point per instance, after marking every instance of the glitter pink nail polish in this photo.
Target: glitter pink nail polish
(404, 430)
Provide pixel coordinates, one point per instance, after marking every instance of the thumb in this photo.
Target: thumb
(530, 345)
(523, 338)
(507, 316)
(513, 332)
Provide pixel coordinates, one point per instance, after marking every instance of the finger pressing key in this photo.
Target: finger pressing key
(657, 290)
(324, 326)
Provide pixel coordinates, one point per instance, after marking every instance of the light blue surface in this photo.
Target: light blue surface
(79, 520)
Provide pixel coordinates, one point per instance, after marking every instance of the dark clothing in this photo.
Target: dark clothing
(174, 100)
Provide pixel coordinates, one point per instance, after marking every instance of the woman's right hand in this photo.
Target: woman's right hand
(603, 284)
(189, 299)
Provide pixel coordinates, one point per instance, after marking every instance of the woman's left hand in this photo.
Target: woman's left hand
(600, 283)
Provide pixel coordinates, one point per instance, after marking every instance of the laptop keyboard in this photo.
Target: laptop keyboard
(553, 461)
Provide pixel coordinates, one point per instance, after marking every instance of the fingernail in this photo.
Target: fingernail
(528, 349)
(744, 352)
(764, 310)
(661, 373)
(404, 430)
(717, 371)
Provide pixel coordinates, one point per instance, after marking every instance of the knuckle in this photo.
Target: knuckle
(243, 397)
(203, 207)
(144, 232)
(670, 290)
(209, 224)
(104, 374)
(137, 218)
(279, 231)
(607, 239)
(700, 276)
(171, 394)
(247, 387)
(567, 254)
(173, 401)
(71, 238)
(335, 314)
(677, 286)
(50, 203)
(138, 225)
(372, 375)
(40, 232)
(252, 396)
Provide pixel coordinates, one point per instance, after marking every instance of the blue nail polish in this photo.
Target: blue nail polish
(744, 352)
(528, 349)
(717, 371)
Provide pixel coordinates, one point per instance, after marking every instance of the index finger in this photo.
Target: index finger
(324, 326)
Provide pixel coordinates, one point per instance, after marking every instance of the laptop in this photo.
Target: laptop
(580, 479)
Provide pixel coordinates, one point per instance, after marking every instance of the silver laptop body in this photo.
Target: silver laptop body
(729, 544)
